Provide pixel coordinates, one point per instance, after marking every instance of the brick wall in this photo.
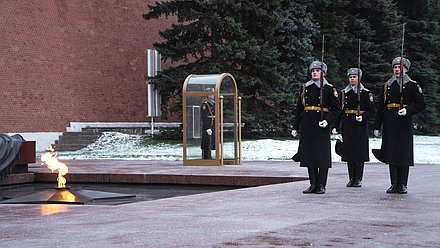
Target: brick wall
(65, 61)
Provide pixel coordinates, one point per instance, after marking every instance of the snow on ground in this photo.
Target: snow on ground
(123, 146)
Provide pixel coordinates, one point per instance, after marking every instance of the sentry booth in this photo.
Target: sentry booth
(226, 135)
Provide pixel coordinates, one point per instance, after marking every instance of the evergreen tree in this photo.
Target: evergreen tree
(331, 16)
(215, 36)
(268, 45)
(422, 47)
(298, 31)
(343, 22)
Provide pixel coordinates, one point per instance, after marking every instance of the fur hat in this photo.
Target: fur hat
(406, 62)
(354, 71)
(317, 65)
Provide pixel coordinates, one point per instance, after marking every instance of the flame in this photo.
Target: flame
(49, 158)
(67, 196)
(49, 209)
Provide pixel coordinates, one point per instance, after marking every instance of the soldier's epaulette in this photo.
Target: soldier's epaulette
(418, 86)
(331, 85)
(413, 81)
(367, 90)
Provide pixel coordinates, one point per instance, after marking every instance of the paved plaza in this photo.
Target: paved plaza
(273, 214)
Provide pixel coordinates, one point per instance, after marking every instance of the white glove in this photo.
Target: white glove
(293, 133)
(359, 118)
(402, 112)
(323, 123)
(209, 132)
(376, 133)
(334, 131)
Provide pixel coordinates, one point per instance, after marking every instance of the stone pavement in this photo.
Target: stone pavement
(276, 215)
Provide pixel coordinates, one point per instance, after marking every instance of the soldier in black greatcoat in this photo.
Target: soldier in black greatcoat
(395, 117)
(208, 125)
(314, 151)
(354, 126)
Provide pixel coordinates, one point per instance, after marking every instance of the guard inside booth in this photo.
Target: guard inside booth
(208, 125)
(211, 113)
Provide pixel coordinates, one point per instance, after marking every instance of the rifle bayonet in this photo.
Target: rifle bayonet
(358, 112)
(401, 67)
(321, 82)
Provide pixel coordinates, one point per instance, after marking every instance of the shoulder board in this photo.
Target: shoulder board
(331, 85)
(412, 81)
(367, 90)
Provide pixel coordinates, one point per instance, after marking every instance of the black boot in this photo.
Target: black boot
(311, 189)
(394, 182)
(357, 183)
(402, 176)
(320, 189)
(392, 189)
(359, 172)
(313, 176)
(402, 189)
(351, 173)
(206, 154)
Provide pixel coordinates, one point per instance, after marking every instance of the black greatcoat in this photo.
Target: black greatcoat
(314, 148)
(355, 146)
(397, 135)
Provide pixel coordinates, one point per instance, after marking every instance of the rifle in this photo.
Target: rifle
(401, 67)
(210, 136)
(358, 86)
(321, 82)
(209, 145)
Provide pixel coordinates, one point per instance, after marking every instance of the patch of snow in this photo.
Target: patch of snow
(112, 145)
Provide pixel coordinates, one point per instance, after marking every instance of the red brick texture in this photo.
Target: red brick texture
(65, 61)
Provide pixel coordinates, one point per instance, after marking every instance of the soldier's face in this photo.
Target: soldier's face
(316, 74)
(396, 70)
(353, 79)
